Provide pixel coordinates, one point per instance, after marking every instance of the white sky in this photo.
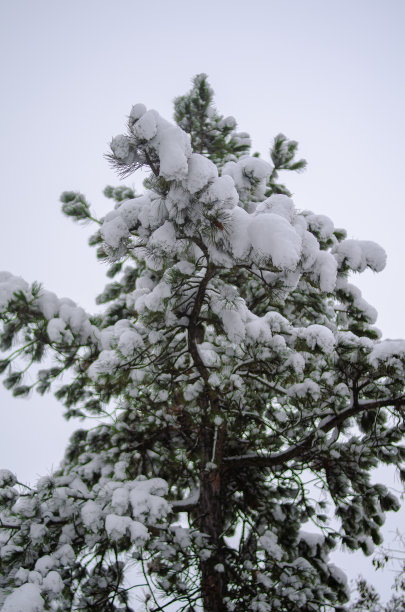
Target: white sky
(328, 74)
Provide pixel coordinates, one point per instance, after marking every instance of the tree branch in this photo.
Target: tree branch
(193, 323)
(326, 425)
(188, 504)
(151, 164)
(7, 526)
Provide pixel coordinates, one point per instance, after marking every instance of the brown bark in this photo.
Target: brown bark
(210, 504)
(210, 509)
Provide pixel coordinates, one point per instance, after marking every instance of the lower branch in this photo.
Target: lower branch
(326, 425)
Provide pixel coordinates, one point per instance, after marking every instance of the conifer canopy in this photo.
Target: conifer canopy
(243, 392)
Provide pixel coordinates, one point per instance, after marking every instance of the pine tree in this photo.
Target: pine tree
(241, 387)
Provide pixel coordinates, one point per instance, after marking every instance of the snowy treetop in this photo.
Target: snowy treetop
(232, 349)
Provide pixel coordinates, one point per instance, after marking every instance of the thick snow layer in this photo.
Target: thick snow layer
(137, 111)
(278, 323)
(139, 533)
(74, 316)
(264, 580)
(91, 514)
(360, 254)
(233, 324)
(65, 554)
(200, 172)
(129, 341)
(106, 363)
(48, 304)
(152, 215)
(120, 147)
(153, 300)
(53, 583)
(307, 388)
(147, 125)
(354, 295)
(164, 237)
(181, 534)
(318, 336)
(26, 598)
(174, 149)
(268, 541)
(325, 270)
(278, 204)
(249, 174)
(310, 248)
(9, 285)
(130, 209)
(255, 167)
(44, 564)
(320, 224)
(272, 237)
(386, 350)
(313, 540)
(117, 526)
(170, 143)
(55, 329)
(229, 122)
(338, 574)
(258, 330)
(7, 478)
(37, 532)
(237, 233)
(120, 500)
(114, 231)
(208, 354)
(221, 191)
(25, 506)
(35, 577)
(147, 501)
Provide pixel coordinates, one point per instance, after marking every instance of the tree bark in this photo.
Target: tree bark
(213, 582)
(210, 505)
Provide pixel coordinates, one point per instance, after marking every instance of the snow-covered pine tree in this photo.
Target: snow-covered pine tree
(233, 368)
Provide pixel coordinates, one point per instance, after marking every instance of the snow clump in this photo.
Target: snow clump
(26, 598)
(360, 254)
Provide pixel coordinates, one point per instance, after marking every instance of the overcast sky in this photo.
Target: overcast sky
(329, 74)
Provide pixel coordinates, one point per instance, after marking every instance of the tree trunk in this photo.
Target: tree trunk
(213, 582)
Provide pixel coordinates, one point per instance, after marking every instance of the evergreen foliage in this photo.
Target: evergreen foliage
(242, 388)
(211, 134)
(367, 597)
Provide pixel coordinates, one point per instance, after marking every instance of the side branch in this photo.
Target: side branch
(188, 504)
(193, 323)
(326, 425)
